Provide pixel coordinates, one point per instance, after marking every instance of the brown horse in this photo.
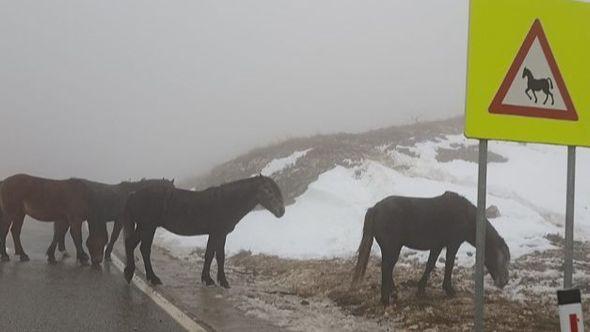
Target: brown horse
(49, 201)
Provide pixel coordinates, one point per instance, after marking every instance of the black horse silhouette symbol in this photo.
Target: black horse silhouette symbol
(542, 84)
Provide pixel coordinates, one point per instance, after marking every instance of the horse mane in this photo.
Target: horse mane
(491, 232)
(232, 186)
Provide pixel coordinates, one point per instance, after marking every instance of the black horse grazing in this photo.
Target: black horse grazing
(214, 211)
(431, 224)
(533, 84)
(105, 203)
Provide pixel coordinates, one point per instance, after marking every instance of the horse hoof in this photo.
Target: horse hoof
(155, 281)
(450, 292)
(5, 258)
(208, 281)
(224, 284)
(421, 293)
(24, 258)
(129, 274)
(51, 260)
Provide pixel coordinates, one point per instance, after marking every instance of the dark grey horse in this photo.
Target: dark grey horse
(431, 224)
(106, 203)
(214, 211)
(533, 84)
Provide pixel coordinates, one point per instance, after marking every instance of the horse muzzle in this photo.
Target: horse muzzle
(96, 260)
(280, 213)
(501, 282)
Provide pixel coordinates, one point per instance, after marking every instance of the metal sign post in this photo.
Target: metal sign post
(569, 217)
(480, 237)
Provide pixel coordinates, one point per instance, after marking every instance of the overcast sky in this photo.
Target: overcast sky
(112, 90)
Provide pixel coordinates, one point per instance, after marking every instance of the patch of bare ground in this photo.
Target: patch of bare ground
(528, 303)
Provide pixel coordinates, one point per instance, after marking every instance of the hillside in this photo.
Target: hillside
(298, 162)
(329, 182)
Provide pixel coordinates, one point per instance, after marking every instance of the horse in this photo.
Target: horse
(533, 84)
(433, 223)
(49, 201)
(214, 212)
(106, 203)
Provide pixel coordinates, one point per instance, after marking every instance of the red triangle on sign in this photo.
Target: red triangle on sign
(544, 86)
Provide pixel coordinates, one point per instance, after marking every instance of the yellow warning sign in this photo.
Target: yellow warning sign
(528, 73)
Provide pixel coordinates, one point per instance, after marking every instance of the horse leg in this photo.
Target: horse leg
(130, 245)
(535, 95)
(4, 227)
(552, 99)
(17, 225)
(76, 233)
(147, 237)
(546, 96)
(61, 245)
(59, 232)
(449, 264)
(527, 94)
(429, 267)
(114, 236)
(209, 253)
(389, 258)
(220, 257)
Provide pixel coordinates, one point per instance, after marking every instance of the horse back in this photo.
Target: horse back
(197, 213)
(148, 205)
(44, 199)
(179, 211)
(106, 201)
(421, 223)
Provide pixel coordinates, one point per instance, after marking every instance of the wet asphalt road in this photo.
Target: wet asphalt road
(36, 296)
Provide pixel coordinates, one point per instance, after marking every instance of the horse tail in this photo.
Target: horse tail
(550, 82)
(364, 248)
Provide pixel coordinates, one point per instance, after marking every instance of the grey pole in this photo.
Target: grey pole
(569, 217)
(480, 238)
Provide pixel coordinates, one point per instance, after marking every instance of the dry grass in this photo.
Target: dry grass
(319, 279)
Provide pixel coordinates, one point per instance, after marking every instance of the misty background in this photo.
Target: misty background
(115, 90)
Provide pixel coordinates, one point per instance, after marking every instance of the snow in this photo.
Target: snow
(281, 164)
(326, 221)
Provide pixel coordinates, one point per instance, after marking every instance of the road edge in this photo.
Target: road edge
(177, 314)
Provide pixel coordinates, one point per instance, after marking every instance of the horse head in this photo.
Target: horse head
(269, 196)
(526, 72)
(497, 254)
(497, 259)
(97, 239)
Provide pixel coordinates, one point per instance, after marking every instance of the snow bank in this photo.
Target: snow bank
(278, 165)
(326, 221)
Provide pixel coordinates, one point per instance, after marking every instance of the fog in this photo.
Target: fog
(113, 90)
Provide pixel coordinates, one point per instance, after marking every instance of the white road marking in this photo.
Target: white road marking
(177, 314)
